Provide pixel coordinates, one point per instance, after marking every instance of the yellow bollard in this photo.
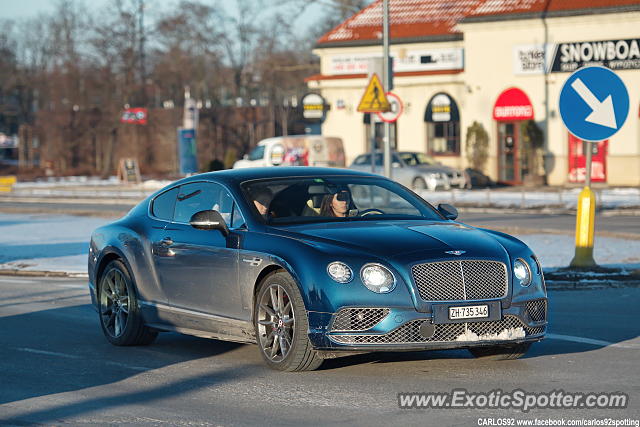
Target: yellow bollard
(585, 225)
(6, 183)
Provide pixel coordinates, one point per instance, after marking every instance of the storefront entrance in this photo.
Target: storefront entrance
(511, 109)
(508, 152)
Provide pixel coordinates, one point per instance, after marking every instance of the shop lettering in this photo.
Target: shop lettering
(615, 54)
(513, 111)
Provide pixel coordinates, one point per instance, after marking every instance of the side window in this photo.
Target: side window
(164, 205)
(363, 160)
(237, 220)
(224, 204)
(195, 197)
(201, 196)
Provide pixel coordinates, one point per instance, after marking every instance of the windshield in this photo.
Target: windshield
(323, 199)
(257, 153)
(414, 159)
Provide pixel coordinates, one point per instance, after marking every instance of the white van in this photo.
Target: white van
(295, 150)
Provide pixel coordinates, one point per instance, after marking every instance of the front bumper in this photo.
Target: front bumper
(401, 329)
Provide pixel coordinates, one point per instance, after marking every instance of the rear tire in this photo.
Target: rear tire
(500, 352)
(118, 309)
(280, 321)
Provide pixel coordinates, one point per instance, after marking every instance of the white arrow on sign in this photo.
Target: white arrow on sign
(602, 113)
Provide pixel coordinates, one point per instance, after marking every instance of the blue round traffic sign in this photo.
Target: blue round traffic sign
(594, 103)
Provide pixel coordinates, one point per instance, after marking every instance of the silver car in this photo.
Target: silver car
(414, 170)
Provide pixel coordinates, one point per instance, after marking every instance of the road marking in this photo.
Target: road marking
(592, 341)
(13, 280)
(48, 353)
(123, 365)
(73, 286)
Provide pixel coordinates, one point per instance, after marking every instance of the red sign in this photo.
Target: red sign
(513, 104)
(136, 116)
(396, 108)
(578, 160)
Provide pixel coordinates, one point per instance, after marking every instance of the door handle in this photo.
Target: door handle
(167, 241)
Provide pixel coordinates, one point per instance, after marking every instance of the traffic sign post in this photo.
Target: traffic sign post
(396, 107)
(594, 104)
(374, 99)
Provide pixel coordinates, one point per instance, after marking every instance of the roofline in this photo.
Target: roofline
(319, 77)
(550, 14)
(398, 40)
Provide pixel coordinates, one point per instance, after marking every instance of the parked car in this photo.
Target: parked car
(295, 150)
(311, 263)
(478, 180)
(414, 170)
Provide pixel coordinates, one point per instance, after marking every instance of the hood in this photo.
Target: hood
(402, 240)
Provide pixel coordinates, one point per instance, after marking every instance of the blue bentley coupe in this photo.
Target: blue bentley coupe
(313, 263)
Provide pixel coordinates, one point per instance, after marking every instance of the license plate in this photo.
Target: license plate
(468, 312)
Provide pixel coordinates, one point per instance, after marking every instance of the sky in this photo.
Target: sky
(17, 9)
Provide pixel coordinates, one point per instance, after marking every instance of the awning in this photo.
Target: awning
(513, 104)
(441, 108)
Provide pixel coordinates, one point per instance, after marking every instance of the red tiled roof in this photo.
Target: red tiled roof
(424, 18)
(508, 7)
(408, 18)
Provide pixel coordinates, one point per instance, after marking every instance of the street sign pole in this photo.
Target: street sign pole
(594, 104)
(386, 73)
(585, 219)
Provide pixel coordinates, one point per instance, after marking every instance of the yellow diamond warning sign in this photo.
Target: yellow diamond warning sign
(374, 100)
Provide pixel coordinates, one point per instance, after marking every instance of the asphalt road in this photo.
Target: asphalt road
(57, 368)
(619, 225)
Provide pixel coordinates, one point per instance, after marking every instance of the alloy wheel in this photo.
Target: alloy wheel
(114, 303)
(276, 323)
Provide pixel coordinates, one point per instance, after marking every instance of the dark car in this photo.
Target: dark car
(312, 263)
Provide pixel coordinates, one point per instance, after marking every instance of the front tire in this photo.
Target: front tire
(281, 325)
(120, 316)
(418, 184)
(500, 352)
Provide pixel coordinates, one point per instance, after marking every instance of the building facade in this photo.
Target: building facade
(498, 63)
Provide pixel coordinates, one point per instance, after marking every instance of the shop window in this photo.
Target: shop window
(442, 120)
(443, 138)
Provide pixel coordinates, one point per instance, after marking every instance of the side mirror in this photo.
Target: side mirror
(209, 220)
(396, 165)
(245, 157)
(448, 211)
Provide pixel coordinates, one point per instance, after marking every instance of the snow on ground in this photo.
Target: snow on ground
(557, 250)
(45, 242)
(610, 198)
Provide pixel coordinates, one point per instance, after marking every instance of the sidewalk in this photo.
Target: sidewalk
(59, 243)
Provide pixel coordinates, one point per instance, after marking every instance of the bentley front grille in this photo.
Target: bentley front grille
(460, 280)
(537, 310)
(507, 329)
(358, 319)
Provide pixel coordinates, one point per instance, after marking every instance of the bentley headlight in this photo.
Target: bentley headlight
(340, 272)
(377, 278)
(522, 272)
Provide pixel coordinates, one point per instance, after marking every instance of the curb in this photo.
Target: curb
(559, 285)
(41, 273)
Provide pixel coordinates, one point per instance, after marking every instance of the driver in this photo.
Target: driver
(336, 205)
(261, 199)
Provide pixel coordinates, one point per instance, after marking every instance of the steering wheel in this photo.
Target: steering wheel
(370, 211)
